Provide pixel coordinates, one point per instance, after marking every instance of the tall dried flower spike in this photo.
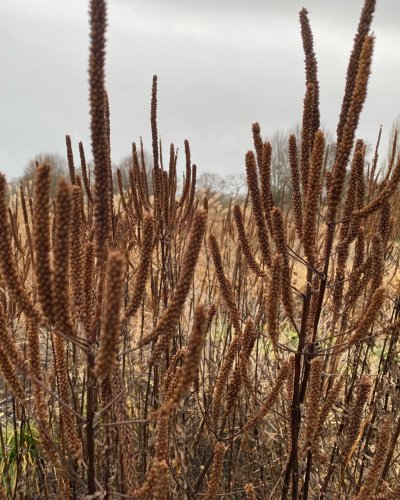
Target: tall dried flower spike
(266, 182)
(7, 369)
(89, 303)
(352, 68)
(191, 361)
(278, 232)
(153, 119)
(8, 343)
(327, 406)
(369, 316)
(125, 433)
(377, 254)
(258, 142)
(136, 185)
(354, 184)
(314, 188)
(77, 251)
(109, 337)
(224, 284)
(296, 191)
(223, 378)
(186, 185)
(274, 297)
(374, 471)
(290, 378)
(62, 244)
(216, 471)
(26, 222)
(192, 192)
(68, 424)
(347, 137)
(41, 239)
(306, 136)
(108, 159)
(252, 182)
(160, 485)
(314, 399)
(85, 174)
(240, 375)
(244, 243)
(385, 223)
(349, 227)
(355, 417)
(311, 72)
(98, 23)
(70, 158)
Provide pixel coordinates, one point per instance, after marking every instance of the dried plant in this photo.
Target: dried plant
(138, 362)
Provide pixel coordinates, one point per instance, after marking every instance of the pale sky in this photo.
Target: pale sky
(222, 64)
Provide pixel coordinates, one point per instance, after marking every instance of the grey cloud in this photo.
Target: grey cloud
(221, 66)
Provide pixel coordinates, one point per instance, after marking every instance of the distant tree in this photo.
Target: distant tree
(58, 169)
(210, 183)
(234, 184)
(227, 187)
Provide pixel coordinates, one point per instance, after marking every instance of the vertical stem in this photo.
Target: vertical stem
(89, 424)
(292, 466)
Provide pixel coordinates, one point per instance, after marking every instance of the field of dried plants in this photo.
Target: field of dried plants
(159, 345)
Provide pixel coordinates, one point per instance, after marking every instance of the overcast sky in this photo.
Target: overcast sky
(222, 64)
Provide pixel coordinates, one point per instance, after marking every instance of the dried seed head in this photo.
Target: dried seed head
(250, 492)
(355, 417)
(314, 188)
(109, 338)
(352, 69)
(99, 126)
(374, 471)
(216, 471)
(311, 70)
(62, 245)
(224, 284)
(266, 182)
(350, 124)
(191, 361)
(125, 432)
(244, 242)
(274, 297)
(279, 236)
(252, 182)
(70, 158)
(313, 406)
(296, 191)
(368, 316)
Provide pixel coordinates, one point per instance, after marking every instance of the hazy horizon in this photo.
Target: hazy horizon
(220, 67)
